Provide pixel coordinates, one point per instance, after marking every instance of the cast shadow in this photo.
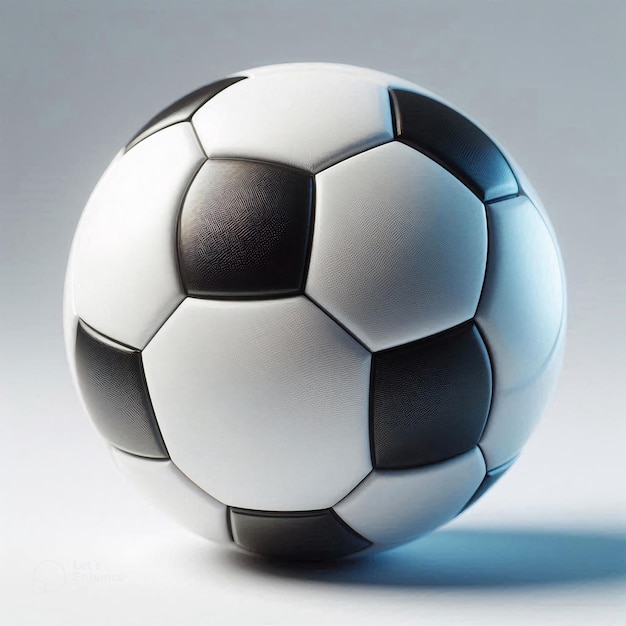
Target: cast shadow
(468, 559)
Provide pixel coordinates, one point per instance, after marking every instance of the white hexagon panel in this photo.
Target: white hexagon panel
(302, 118)
(399, 247)
(263, 404)
(125, 278)
(522, 314)
(391, 507)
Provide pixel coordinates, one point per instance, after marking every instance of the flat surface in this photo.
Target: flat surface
(545, 546)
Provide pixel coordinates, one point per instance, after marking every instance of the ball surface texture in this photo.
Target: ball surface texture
(314, 310)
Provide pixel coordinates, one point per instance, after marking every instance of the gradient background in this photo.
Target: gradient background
(547, 79)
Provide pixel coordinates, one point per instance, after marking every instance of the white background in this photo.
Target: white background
(546, 546)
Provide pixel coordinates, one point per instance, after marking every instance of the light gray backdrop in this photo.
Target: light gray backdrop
(77, 78)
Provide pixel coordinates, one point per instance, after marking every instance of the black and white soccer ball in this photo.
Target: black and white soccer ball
(314, 310)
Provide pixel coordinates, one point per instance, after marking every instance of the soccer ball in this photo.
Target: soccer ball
(314, 310)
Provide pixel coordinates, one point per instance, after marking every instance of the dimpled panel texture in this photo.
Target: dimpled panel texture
(521, 314)
(126, 280)
(264, 404)
(306, 119)
(399, 246)
(394, 506)
(170, 490)
(244, 229)
(182, 109)
(304, 536)
(454, 142)
(430, 399)
(113, 387)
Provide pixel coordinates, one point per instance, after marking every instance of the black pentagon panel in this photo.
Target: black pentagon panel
(301, 536)
(489, 481)
(429, 399)
(245, 229)
(113, 386)
(454, 142)
(183, 109)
